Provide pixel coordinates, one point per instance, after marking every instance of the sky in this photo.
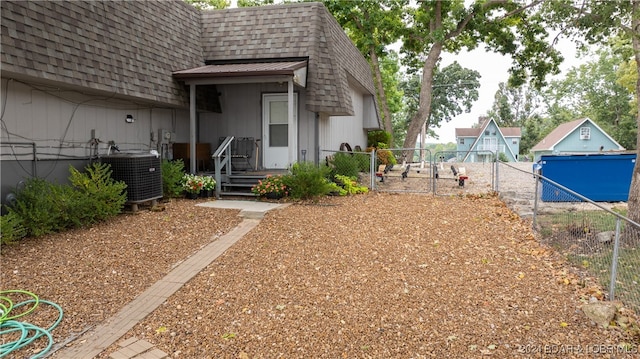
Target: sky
(493, 69)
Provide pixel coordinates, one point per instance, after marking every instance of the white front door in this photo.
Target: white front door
(275, 130)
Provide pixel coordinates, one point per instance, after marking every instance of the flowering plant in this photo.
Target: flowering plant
(208, 183)
(271, 184)
(192, 183)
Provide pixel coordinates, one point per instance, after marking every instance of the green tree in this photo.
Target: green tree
(507, 27)
(251, 3)
(392, 78)
(607, 101)
(454, 91)
(210, 4)
(534, 129)
(410, 87)
(594, 90)
(512, 106)
(372, 25)
(521, 107)
(598, 21)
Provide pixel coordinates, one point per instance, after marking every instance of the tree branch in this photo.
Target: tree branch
(463, 23)
(581, 11)
(519, 10)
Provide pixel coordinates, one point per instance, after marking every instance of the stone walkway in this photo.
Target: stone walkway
(106, 334)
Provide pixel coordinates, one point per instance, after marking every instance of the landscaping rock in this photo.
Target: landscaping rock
(605, 237)
(602, 313)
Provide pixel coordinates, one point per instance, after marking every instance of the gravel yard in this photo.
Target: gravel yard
(369, 276)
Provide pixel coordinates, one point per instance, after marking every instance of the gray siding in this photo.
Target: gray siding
(246, 118)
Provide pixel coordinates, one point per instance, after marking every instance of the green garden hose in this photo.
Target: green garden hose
(26, 332)
(5, 307)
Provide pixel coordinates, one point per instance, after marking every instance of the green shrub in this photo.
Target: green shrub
(275, 185)
(100, 196)
(337, 190)
(364, 161)
(11, 228)
(374, 138)
(344, 164)
(503, 157)
(172, 172)
(308, 181)
(74, 208)
(386, 157)
(42, 207)
(350, 185)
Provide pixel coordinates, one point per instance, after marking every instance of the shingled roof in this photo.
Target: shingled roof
(291, 31)
(132, 48)
(120, 48)
(564, 130)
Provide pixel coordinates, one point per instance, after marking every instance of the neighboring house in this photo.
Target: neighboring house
(575, 137)
(80, 76)
(482, 143)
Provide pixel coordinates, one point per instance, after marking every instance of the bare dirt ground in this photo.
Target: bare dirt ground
(369, 276)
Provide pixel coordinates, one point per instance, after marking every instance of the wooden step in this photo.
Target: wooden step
(232, 184)
(246, 176)
(237, 194)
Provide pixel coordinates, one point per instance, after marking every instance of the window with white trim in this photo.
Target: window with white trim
(585, 133)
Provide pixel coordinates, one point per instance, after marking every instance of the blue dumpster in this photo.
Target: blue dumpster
(598, 177)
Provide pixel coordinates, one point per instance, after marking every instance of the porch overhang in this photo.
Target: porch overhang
(289, 72)
(262, 72)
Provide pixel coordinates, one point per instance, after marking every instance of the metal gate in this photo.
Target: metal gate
(403, 170)
(464, 172)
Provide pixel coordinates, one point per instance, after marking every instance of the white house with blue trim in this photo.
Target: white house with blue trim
(576, 137)
(482, 143)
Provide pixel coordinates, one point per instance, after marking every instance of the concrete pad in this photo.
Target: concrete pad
(251, 209)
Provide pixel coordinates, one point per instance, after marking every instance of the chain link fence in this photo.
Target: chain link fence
(416, 170)
(456, 176)
(355, 164)
(595, 237)
(387, 170)
(403, 170)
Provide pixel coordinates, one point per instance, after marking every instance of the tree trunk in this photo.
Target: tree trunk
(424, 108)
(634, 191)
(382, 97)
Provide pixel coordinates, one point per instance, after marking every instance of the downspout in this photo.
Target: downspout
(316, 136)
(192, 128)
(293, 131)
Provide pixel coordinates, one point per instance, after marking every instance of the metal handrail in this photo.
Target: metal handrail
(222, 159)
